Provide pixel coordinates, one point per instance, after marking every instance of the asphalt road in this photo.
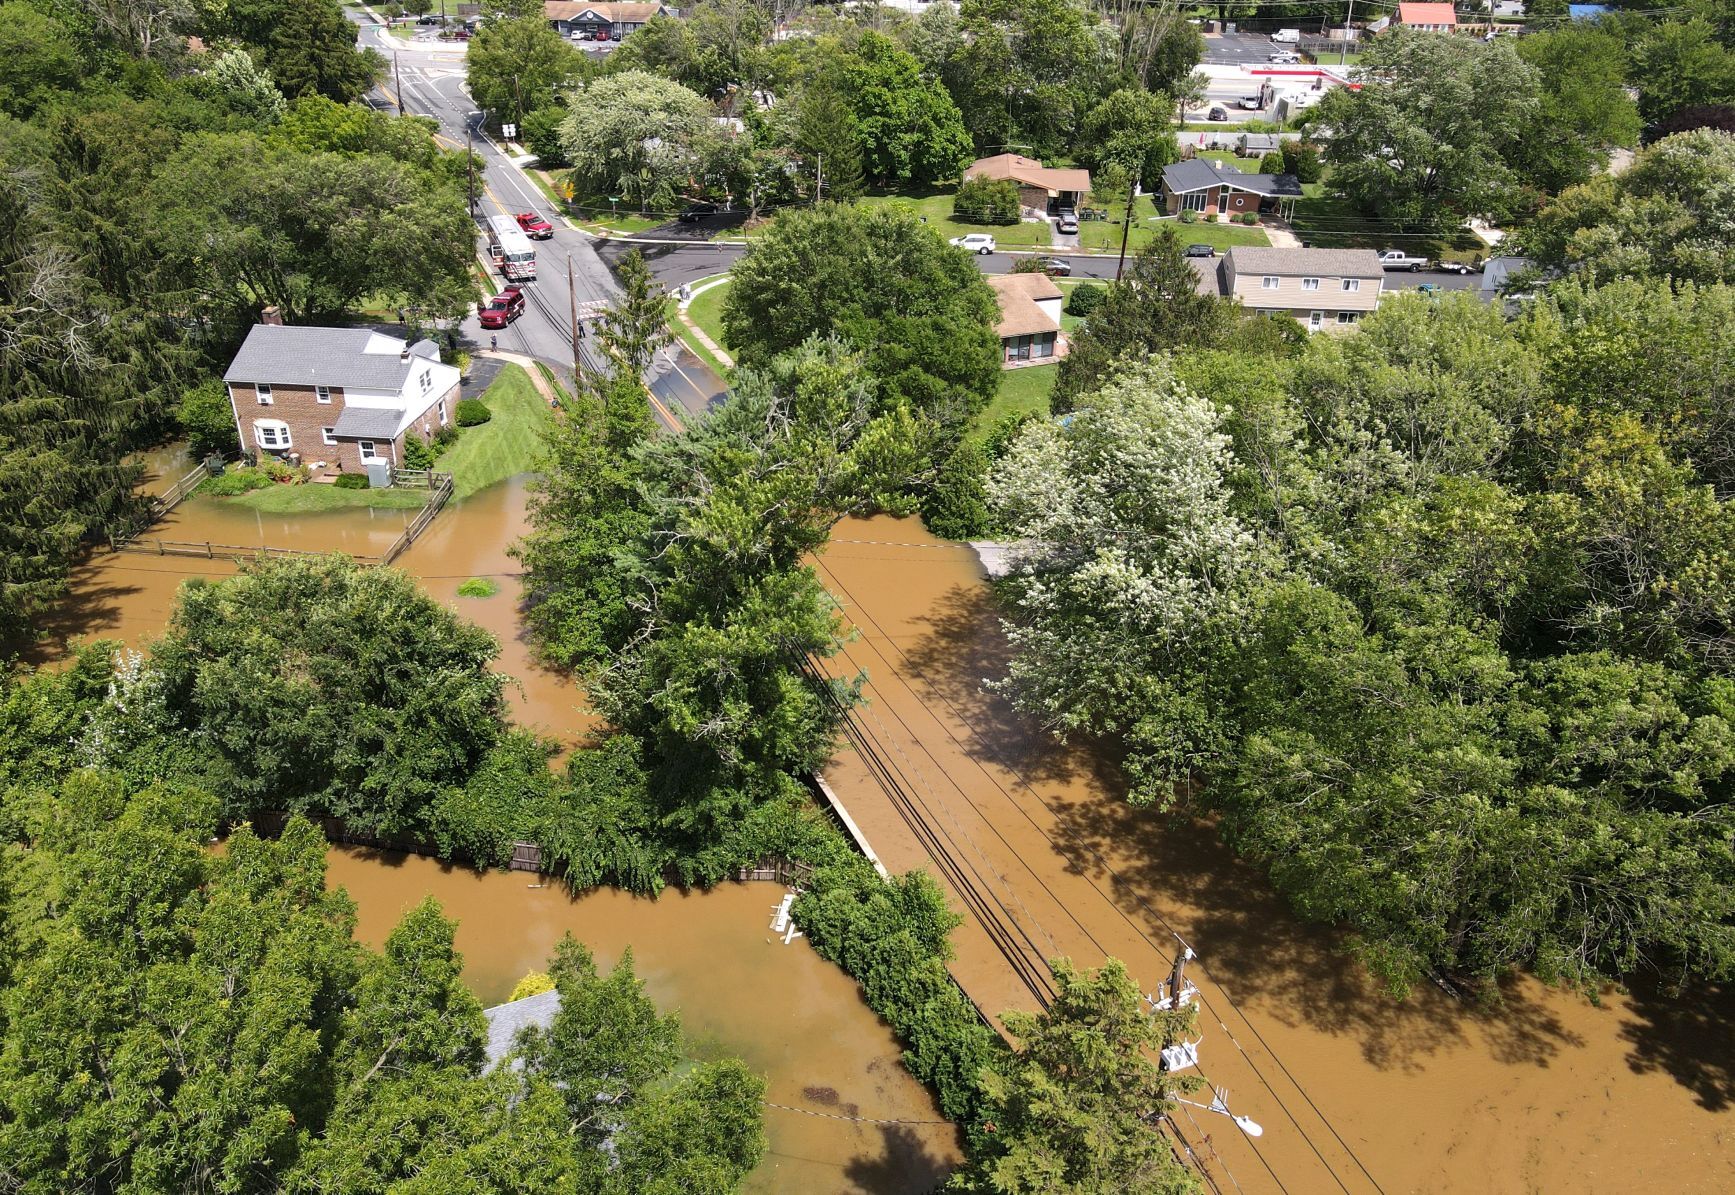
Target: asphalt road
(431, 77)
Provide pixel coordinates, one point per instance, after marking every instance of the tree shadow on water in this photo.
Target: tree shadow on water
(903, 1165)
(1690, 1036)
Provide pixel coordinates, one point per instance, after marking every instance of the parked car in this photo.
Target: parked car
(1056, 267)
(1287, 36)
(1217, 113)
(534, 226)
(1429, 288)
(695, 212)
(1066, 220)
(975, 242)
(1250, 102)
(1201, 251)
(1283, 56)
(502, 309)
(428, 20)
(1397, 259)
(602, 35)
(462, 35)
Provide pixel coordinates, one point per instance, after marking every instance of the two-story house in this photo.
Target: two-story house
(1323, 288)
(336, 398)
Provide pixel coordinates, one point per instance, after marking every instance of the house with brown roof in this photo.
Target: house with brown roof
(336, 398)
(1322, 288)
(1042, 190)
(1428, 17)
(1029, 327)
(569, 17)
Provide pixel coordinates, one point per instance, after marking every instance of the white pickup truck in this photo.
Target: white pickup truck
(1397, 259)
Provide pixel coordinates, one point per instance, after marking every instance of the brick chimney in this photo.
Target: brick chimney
(272, 315)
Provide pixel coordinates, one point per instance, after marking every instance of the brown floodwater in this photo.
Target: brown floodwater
(790, 1015)
(1355, 1091)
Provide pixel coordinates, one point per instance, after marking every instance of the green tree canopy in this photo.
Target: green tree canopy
(636, 136)
(1584, 110)
(910, 130)
(331, 689)
(518, 67)
(1670, 214)
(884, 284)
(1432, 136)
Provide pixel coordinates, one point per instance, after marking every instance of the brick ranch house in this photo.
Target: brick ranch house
(335, 398)
(1029, 327)
(1209, 188)
(1042, 190)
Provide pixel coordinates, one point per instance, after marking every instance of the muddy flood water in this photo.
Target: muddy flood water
(788, 1013)
(1355, 1092)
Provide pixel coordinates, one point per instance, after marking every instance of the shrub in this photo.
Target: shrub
(207, 418)
(1249, 218)
(1302, 159)
(1188, 216)
(417, 454)
(533, 984)
(986, 201)
(1272, 163)
(540, 133)
(478, 587)
(1085, 298)
(283, 472)
(235, 481)
(351, 481)
(446, 436)
(1027, 265)
(473, 412)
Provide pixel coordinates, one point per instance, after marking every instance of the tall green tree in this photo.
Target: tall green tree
(1074, 1108)
(635, 136)
(634, 328)
(1680, 64)
(1157, 307)
(518, 67)
(1584, 111)
(1130, 129)
(910, 130)
(886, 285)
(332, 689)
(828, 139)
(1432, 135)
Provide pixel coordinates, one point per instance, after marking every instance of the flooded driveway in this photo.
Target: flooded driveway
(1355, 1092)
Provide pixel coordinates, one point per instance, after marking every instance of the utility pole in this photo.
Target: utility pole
(397, 83)
(1126, 225)
(1348, 24)
(470, 162)
(819, 180)
(572, 306)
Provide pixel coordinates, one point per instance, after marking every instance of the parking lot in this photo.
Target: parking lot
(1239, 49)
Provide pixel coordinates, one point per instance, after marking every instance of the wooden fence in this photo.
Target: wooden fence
(132, 539)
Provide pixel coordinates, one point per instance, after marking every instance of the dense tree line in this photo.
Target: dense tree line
(1433, 616)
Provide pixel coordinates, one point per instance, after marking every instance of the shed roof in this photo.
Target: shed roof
(368, 423)
(1420, 12)
(1030, 172)
(350, 358)
(1017, 295)
(1330, 263)
(505, 1020)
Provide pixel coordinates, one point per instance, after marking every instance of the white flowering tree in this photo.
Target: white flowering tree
(1130, 569)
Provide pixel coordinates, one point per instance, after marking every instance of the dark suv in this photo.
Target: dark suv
(1201, 251)
(695, 212)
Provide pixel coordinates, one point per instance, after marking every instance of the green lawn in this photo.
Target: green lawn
(706, 310)
(1247, 165)
(937, 207)
(1021, 391)
(1105, 235)
(1329, 222)
(506, 445)
(317, 499)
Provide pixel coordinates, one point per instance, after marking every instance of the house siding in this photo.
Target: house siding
(1290, 299)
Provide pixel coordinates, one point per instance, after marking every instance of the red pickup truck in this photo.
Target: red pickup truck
(534, 226)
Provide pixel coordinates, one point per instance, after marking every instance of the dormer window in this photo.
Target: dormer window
(263, 393)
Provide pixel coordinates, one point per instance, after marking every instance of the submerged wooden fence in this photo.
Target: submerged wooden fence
(440, 487)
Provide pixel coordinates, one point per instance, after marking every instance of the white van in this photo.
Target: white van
(1287, 36)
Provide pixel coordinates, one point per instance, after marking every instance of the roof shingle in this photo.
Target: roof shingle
(350, 358)
(1330, 263)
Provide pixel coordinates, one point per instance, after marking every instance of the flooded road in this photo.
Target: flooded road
(790, 1015)
(1355, 1092)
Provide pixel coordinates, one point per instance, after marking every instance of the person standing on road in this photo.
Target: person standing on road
(493, 344)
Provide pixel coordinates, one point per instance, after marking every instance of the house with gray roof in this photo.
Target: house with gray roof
(336, 398)
(1322, 288)
(1209, 188)
(506, 1021)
